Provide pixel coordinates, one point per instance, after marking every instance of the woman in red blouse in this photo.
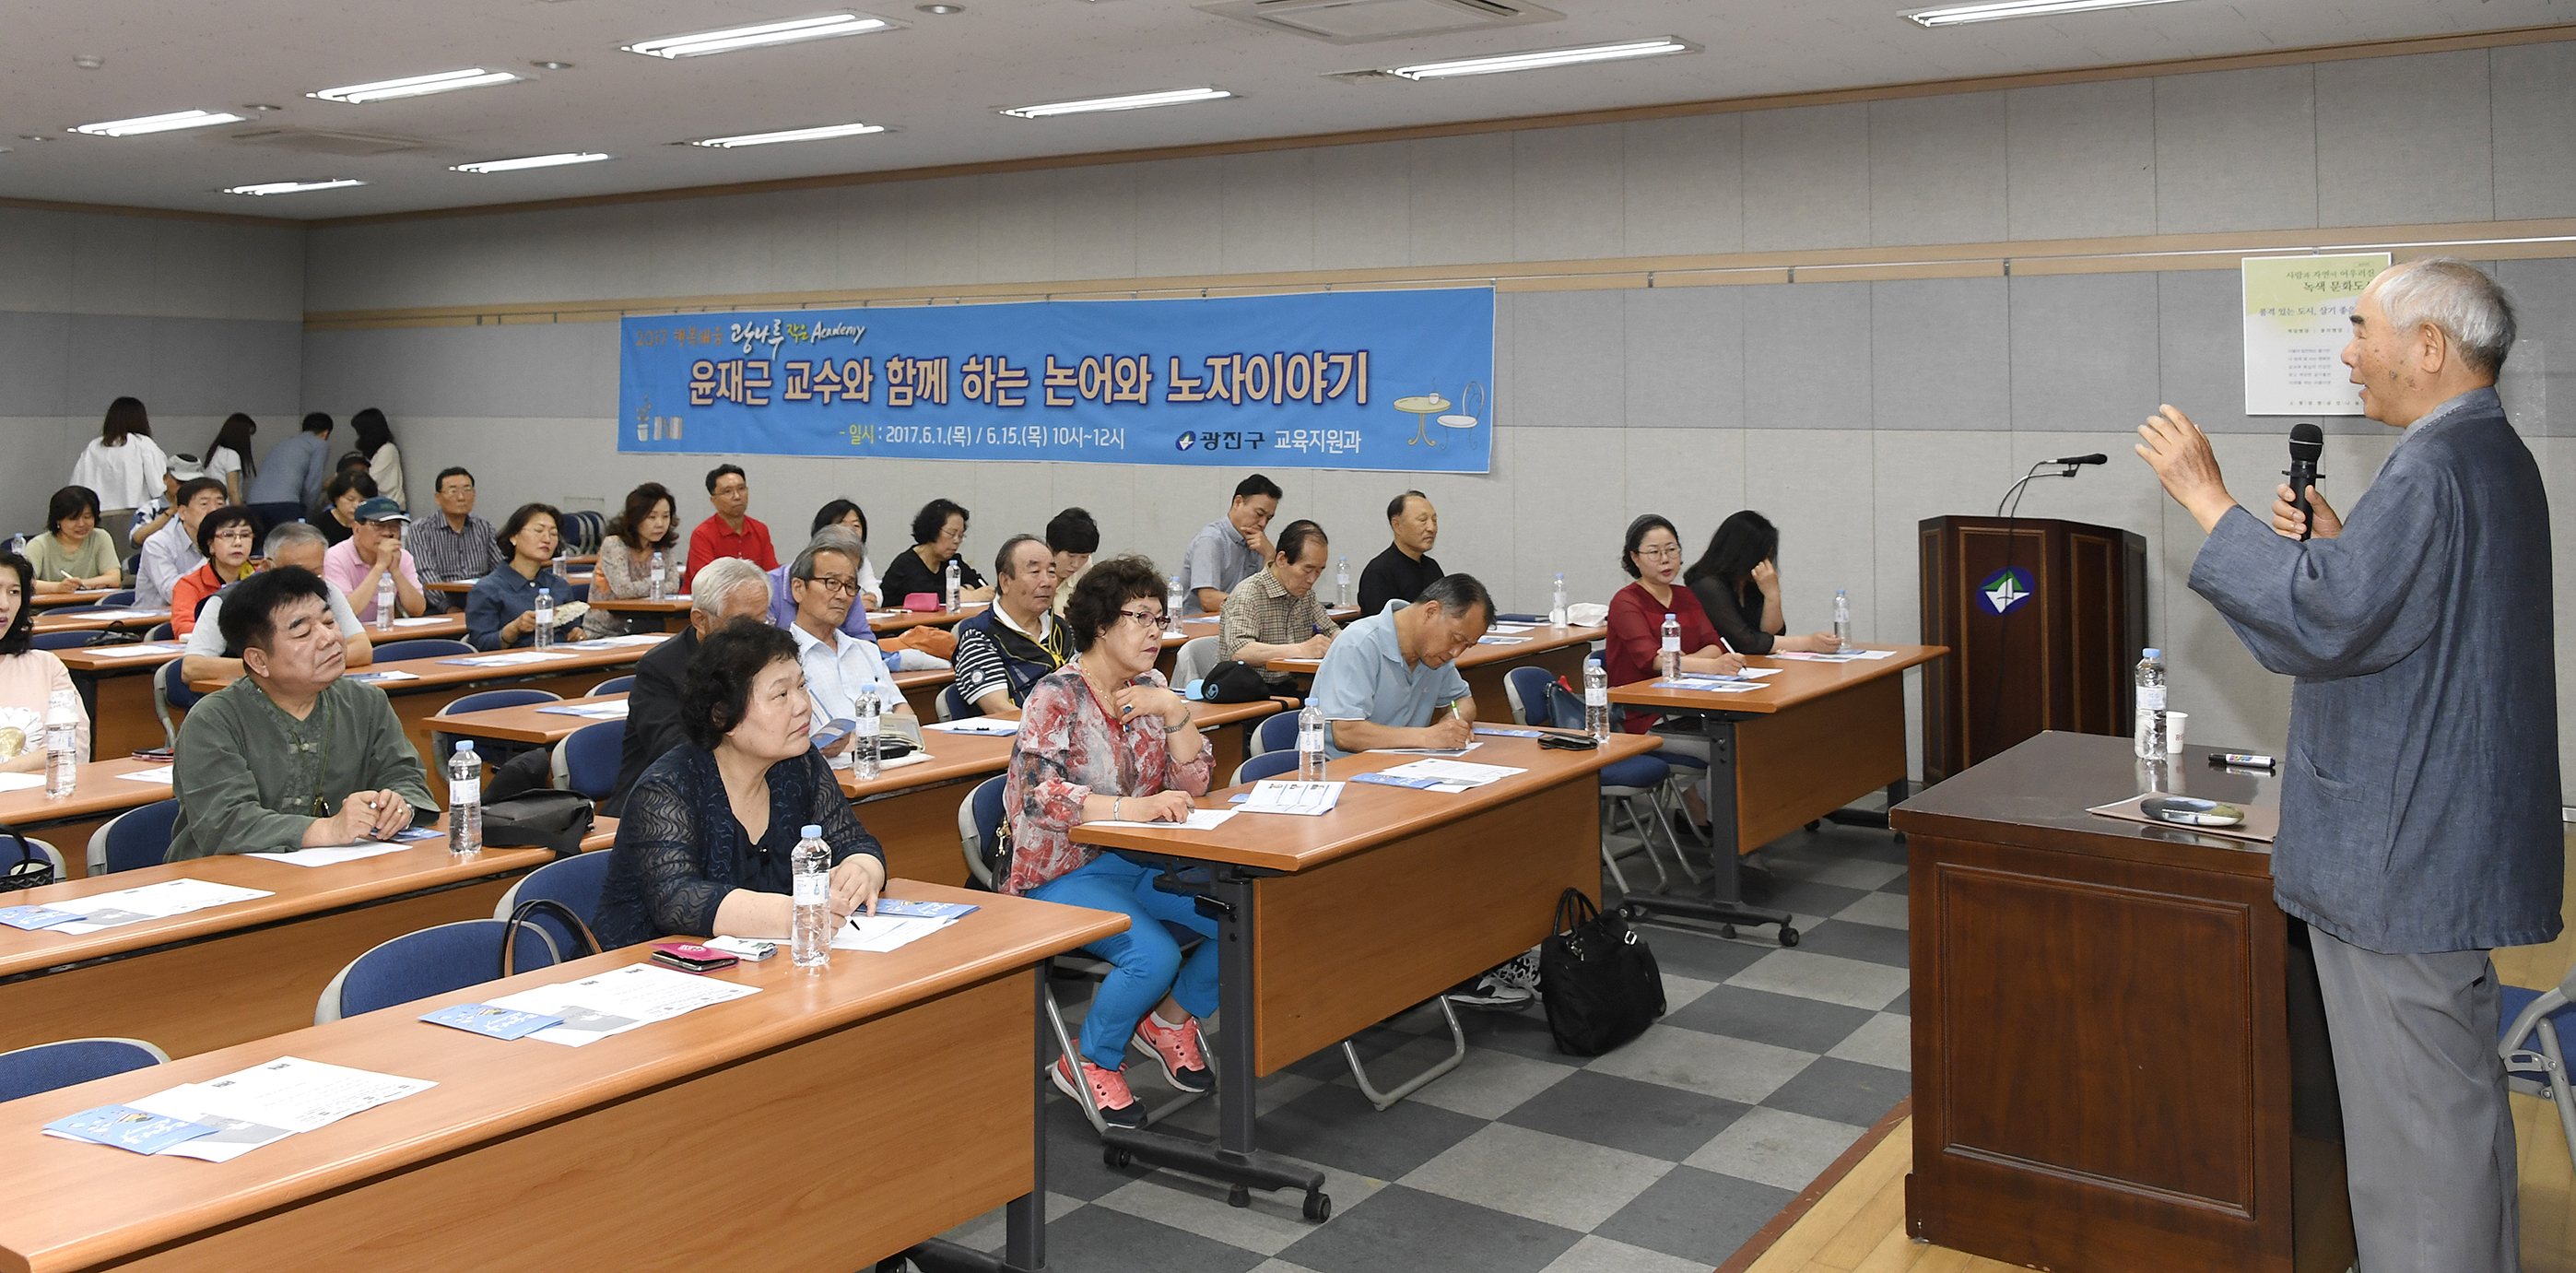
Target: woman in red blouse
(1104, 738)
(1652, 556)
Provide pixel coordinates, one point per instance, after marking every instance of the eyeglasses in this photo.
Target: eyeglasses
(1665, 553)
(1146, 618)
(243, 535)
(837, 585)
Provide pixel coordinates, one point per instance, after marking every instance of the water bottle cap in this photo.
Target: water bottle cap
(812, 832)
(465, 744)
(2154, 653)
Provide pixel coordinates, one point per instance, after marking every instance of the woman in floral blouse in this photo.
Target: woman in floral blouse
(1105, 739)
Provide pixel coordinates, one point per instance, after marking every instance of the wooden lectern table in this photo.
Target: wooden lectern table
(2106, 1027)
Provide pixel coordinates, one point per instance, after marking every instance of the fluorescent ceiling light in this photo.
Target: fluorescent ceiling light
(1539, 58)
(532, 161)
(294, 187)
(415, 85)
(1132, 101)
(156, 124)
(823, 133)
(764, 34)
(1961, 14)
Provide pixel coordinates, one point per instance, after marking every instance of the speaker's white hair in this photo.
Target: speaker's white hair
(2458, 299)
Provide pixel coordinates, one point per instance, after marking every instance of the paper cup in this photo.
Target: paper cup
(2174, 722)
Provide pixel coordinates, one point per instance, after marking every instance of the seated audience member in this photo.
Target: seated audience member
(1105, 739)
(291, 476)
(649, 524)
(1737, 582)
(293, 755)
(182, 468)
(29, 677)
(726, 590)
(1405, 568)
(1072, 537)
(373, 552)
(938, 533)
(501, 611)
(840, 669)
(1003, 652)
(73, 555)
(921, 649)
(172, 551)
(1275, 613)
(1652, 555)
(225, 539)
(730, 531)
(1230, 549)
(704, 846)
(456, 546)
(293, 544)
(337, 515)
(847, 515)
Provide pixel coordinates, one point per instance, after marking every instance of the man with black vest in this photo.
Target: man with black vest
(1002, 652)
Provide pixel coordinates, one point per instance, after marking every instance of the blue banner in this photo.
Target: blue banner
(1394, 380)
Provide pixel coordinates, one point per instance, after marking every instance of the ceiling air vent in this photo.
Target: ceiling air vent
(323, 141)
(1366, 21)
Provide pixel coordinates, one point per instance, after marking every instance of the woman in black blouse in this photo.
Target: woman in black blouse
(1738, 582)
(703, 849)
(938, 532)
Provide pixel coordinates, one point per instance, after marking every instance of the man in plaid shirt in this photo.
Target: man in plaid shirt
(1274, 613)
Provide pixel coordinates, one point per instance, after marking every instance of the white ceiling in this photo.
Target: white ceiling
(939, 80)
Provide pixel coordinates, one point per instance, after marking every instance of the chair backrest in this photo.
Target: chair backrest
(134, 838)
(433, 961)
(421, 648)
(119, 599)
(485, 700)
(590, 758)
(613, 685)
(953, 705)
(575, 881)
(61, 640)
(1276, 732)
(9, 856)
(47, 1066)
(979, 819)
(161, 632)
(1197, 655)
(1269, 764)
(1526, 689)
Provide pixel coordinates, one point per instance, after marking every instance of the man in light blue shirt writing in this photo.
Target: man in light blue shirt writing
(1386, 681)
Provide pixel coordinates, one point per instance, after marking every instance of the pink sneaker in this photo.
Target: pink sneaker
(1118, 1106)
(1184, 1064)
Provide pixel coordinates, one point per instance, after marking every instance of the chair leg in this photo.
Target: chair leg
(1608, 858)
(1457, 1053)
(1645, 841)
(1064, 1040)
(2558, 1082)
(1672, 837)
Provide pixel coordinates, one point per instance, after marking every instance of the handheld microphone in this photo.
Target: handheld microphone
(2307, 443)
(2095, 458)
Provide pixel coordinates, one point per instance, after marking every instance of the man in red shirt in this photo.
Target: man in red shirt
(729, 533)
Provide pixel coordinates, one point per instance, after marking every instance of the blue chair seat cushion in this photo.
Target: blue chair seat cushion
(2516, 999)
(1635, 771)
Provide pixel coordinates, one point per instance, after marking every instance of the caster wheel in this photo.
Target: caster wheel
(1726, 930)
(1632, 913)
(1114, 1157)
(1788, 935)
(1319, 1207)
(1238, 1196)
(1900, 837)
(1813, 825)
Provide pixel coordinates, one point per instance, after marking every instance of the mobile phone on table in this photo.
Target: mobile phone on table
(1570, 742)
(692, 957)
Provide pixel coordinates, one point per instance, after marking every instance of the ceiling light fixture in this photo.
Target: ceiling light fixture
(532, 161)
(760, 36)
(1538, 59)
(1132, 101)
(1962, 14)
(293, 187)
(415, 86)
(551, 65)
(171, 122)
(823, 133)
(941, 9)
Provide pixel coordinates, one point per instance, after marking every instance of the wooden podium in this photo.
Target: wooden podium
(2044, 620)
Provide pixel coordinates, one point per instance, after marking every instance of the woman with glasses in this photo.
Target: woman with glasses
(1104, 738)
(938, 533)
(225, 536)
(1653, 557)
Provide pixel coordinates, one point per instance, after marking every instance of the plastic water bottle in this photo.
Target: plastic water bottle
(1342, 583)
(661, 587)
(1842, 622)
(385, 603)
(1596, 700)
(1668, 661)
(464, 799)
(1556, 605)
(866, 750)
(545, 618)
(1172, 601)
(62, 745)
(1310, 743)
(2151, 705)
(811, 945)
(948, 599)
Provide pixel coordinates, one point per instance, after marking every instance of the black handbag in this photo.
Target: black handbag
(525, 917)
(541, 819)
(30, 870)
(1598, 980)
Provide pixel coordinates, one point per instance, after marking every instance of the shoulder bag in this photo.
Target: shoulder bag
(1599, 982)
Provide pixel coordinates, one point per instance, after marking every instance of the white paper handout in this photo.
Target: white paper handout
(233, 1136)
(882, 933)
(1275, 795)
(619, 1000)
(300, 1095)
(985, 725)
(21, 782)
(151, 901)
(512, 659)
(615, 710)
(157, 773)
(421, 621)
(1425, 751)
(132, 651)
(1199, 820)
(331, 856)
(1454, 772)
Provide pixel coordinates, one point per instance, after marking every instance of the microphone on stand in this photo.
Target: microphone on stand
(2071, 460)
(2307, 444)
(2066, 466)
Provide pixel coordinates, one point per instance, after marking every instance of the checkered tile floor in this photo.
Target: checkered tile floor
(1661, 1157)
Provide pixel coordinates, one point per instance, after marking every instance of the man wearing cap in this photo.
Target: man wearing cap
(155, 514)
(373, 549)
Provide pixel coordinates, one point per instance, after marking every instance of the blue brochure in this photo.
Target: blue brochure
(924, 910)
(1498, 731)
(500, 1023)
(35, 917)
(126, 1127)
(1388, 780)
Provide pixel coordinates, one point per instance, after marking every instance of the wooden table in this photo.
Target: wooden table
(889, 622)
(1311, 954)
(98, 795)
(85, 597)
(528, 1156)
(669, 614)
(133, 617)
(1559, 650)
(213, 978)
(2113, 1027)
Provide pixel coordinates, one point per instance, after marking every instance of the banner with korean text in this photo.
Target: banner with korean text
(1395, 380)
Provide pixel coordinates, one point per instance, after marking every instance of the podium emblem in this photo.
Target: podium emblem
(2005, 590)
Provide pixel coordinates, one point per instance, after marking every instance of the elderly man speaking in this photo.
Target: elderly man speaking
(2419, 805)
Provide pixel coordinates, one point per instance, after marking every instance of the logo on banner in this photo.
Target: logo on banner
(2005, 590)
(1184, 441)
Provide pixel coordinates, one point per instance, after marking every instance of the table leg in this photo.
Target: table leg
(1724, 906)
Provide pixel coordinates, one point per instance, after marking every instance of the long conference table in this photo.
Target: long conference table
(1559, 651)
(1314, 949)
(100, 792)
(823, 1124)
